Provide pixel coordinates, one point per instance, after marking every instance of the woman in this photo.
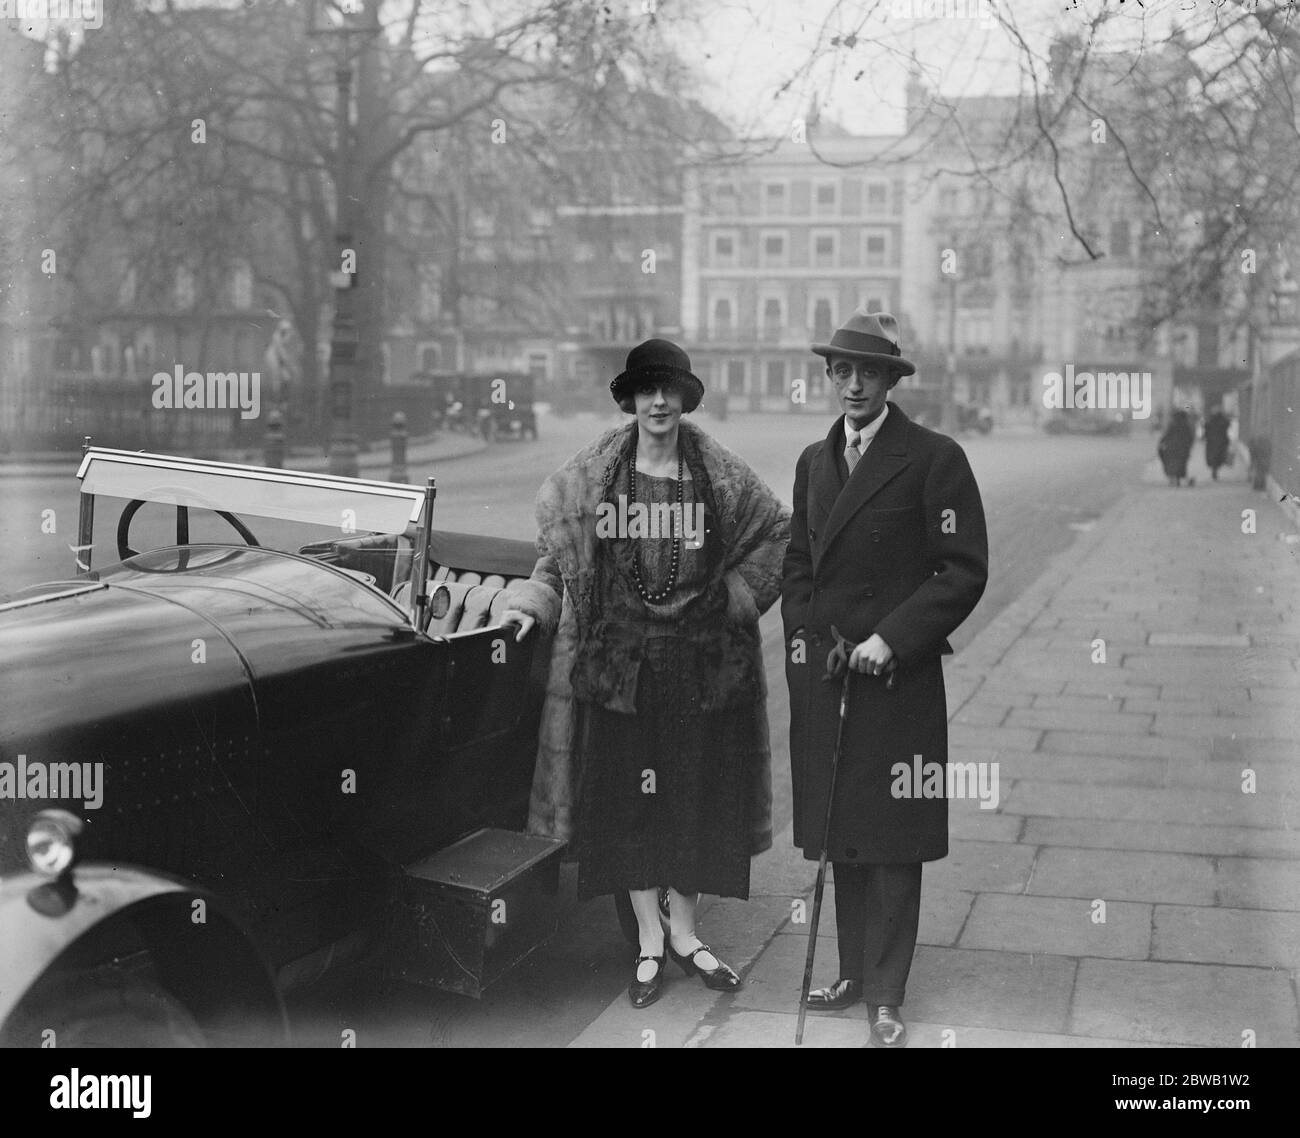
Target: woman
(1216, 441)
(1175, 447)
(659, 550)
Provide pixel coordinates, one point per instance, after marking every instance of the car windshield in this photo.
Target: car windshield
(284, 510)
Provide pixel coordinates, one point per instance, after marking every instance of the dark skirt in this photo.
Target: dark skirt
(664, 799)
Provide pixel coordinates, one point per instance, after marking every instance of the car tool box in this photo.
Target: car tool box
(470, 912)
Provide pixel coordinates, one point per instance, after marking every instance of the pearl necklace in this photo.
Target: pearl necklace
(663, 594)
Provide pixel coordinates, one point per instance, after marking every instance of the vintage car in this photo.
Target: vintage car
(283, 729)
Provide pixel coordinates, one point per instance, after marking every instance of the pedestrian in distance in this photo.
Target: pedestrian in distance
(653, 756)
(1216, 441)
(1175, 447)
(888, 546)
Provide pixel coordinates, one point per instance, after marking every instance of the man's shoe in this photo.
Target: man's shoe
(841, 994)
(887, 1027)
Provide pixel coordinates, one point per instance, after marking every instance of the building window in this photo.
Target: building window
(979, 261)
(824, 250)
(877, 197)
(823, 321)
(774, 249)
(826, 198)
(874, 300)
(948, 200)
(723, 198)
(975, 331)
(724, 250)
(735, 377)
(538, 365)
(722, 318)
(430, 357)
(126, 290)
(184, 287)
(876, 249)
(430, 292)
(241, 286)
(773, 322)
(776, 378)
(775, 198)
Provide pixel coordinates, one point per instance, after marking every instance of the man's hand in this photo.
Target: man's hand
(520, 620)
(873, 657)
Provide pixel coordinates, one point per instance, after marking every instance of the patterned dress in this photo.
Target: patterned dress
(664, 793)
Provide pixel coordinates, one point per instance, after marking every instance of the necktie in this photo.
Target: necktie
(851, 452)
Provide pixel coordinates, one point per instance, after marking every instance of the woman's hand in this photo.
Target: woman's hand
(520, 620)
(873, 656)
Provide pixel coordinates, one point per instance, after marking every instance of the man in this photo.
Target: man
(887, 544)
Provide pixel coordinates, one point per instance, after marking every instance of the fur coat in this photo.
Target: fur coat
(562, 595)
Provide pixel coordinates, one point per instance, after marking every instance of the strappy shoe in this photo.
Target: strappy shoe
(643, 993)
(723, 978)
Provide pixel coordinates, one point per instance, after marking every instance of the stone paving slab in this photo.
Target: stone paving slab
(1256, 883)
(1097, 720)
(775, 1029)
(1174, 804)
(1158, 836)
(943, 912)
(1012, 991)
(1103, 743)
(1090, 769)
(978, 867)
(1124, 875)
(1058, 925)
(1202, 1005)
(1226, 936)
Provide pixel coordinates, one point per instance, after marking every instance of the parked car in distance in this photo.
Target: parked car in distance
(1087, 421)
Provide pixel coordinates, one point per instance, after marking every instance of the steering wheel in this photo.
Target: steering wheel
(182, 527)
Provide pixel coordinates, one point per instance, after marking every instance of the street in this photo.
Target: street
(1039, 493)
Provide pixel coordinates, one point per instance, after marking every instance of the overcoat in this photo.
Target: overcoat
(561, 596)
(1216, 439)
(898, 548)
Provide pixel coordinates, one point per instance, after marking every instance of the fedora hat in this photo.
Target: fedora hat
(868, 336)
(658, 361)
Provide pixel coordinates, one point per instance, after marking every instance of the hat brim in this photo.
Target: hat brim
(627, 382)
(899, 364)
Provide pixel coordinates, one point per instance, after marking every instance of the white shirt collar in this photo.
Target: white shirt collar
(868, 432)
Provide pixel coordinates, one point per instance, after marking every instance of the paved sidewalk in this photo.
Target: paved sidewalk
(1126, 782)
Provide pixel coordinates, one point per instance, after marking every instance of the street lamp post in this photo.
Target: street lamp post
(343, 19)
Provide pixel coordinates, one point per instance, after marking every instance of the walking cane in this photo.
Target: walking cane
(837, 660)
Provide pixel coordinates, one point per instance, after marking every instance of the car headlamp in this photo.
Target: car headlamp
(52, 842)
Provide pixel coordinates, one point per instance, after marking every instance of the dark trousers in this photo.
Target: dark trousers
(877, 910)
